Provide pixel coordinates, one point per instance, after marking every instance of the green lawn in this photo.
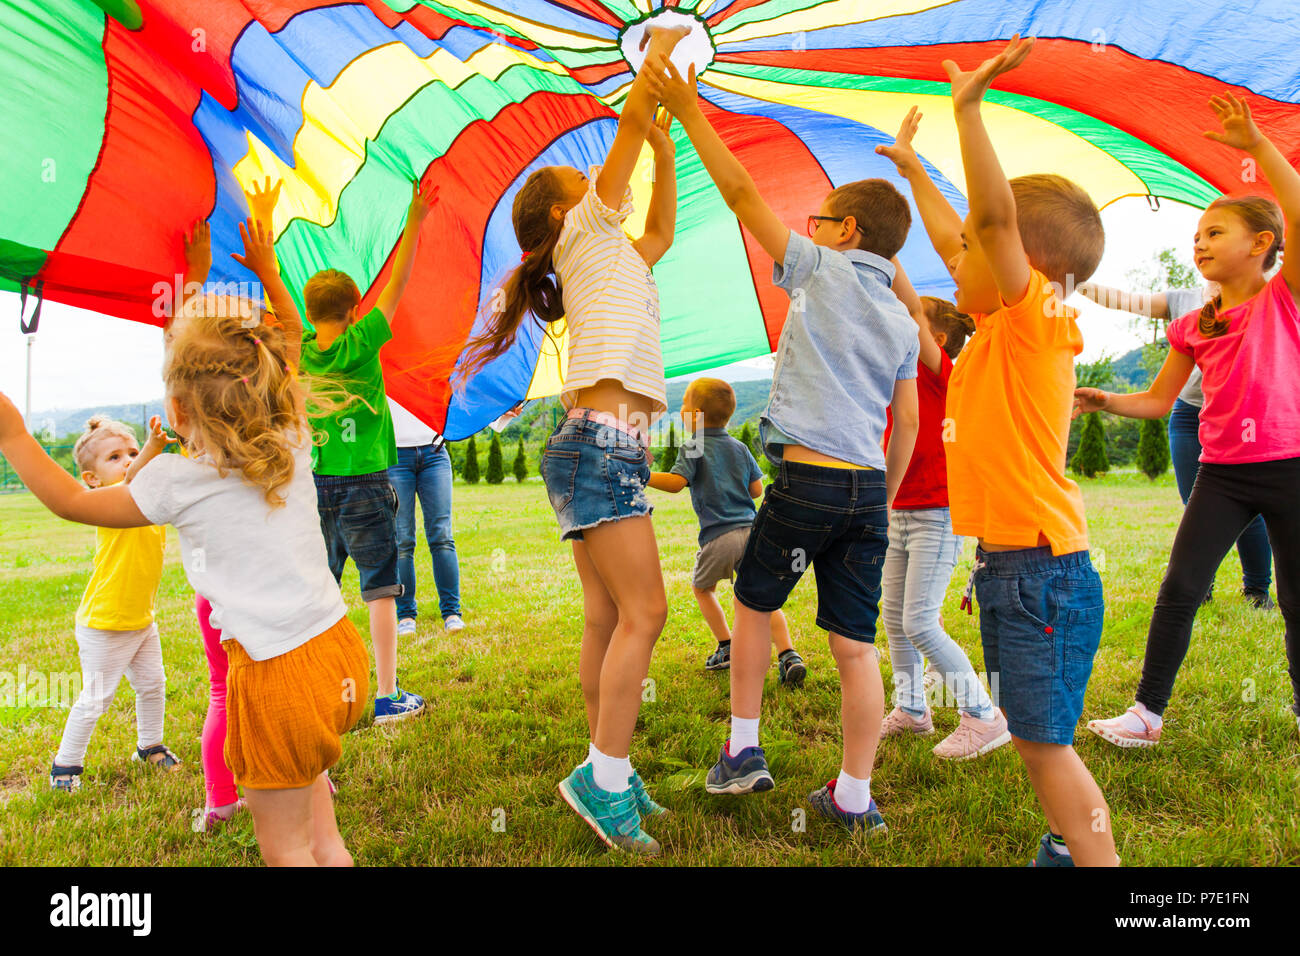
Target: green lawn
(473, 780)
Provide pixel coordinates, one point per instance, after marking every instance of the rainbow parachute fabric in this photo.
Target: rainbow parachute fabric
(128, 121)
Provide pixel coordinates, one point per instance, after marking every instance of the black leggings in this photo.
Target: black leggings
(1224, 501)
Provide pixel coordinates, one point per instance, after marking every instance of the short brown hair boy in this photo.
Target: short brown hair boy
(1060, 227)
(715, 399)
(880, 211)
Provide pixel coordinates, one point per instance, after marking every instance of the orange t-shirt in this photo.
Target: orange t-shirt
(1008, 410)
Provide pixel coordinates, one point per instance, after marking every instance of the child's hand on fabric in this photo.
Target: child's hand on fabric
(1089, 400)
(198, 249)
(158, 437)
(262, 200)
(1239, 129)
(668, 87)
(663, 38)
(424, 196)
(658, 138)
(901, 153)
(259, 249)
(11, 420)
(968, 88)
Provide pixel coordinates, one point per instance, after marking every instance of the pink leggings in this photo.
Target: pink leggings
(217, 778)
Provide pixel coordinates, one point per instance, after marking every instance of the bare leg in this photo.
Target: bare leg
(1071, 800)
(862, 702)
(282, 821)
(781, 633)
(326, 843)
(383, 634)
(599, 618)
(751, 653)
(712, 612)
(626, 557)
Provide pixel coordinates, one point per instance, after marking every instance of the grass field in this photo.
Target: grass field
(473, 780)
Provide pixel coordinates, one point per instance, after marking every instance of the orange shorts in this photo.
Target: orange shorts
(284, 716)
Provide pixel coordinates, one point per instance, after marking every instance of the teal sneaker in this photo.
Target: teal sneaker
(1049, 857)
(613, 816)
(644, 803)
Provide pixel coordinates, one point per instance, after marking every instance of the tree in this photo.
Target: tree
(1090, 460)
(521, 463)
(1153, 448)
(669, 454)
(471, 462)
(496, 467)
(747, 438)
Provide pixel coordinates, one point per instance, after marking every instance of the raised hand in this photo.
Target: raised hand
(668, 87)
(658, 138)
(262, 200)
(1239, 129)
(259, 249)
(969, 87)
(424, 196)
(198, 250)
(1089, 400)
(158, 436)
(901, 152)
(663, 38)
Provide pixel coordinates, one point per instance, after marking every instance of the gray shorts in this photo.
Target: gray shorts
(717, 560)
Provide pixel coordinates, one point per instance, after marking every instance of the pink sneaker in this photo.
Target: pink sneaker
(899, 721)
(1113, 731)
(974, 738)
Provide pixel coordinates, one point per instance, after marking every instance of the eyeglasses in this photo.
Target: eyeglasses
(814, 220)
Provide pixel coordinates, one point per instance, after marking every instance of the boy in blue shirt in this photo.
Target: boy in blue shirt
(847, 352)
(724, 479)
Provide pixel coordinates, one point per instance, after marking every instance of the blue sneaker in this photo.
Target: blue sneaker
(613, 816)
(1049, 857)
(644, 803)
(405, 705)
(790, 669)
(870, 820)
(720, 659)
(744, 773)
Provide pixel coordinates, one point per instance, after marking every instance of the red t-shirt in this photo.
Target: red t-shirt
(926, 483)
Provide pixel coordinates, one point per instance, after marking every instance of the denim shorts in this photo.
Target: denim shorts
(358, 517)
(1040, 623)
(594, 473)
(834, 519)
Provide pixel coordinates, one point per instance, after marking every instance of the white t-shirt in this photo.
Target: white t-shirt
(264, 570)
(409, 430)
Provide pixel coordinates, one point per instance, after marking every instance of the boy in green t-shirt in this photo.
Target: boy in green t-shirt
(355, 446)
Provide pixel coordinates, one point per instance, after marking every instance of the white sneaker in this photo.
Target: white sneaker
(453, 623)
(406, 627)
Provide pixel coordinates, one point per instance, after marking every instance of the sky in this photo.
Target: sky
(82, 358)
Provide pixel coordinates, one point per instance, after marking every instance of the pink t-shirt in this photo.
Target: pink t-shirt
(1252, 404)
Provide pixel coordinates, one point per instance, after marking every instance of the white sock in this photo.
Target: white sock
(744, 733)
(611, 773)
(1134, 723)
(853, 795)
(591, 750)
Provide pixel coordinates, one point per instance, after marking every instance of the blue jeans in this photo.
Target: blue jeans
(357, 519)
(1185, 451)
(427, 473)
(918, 566)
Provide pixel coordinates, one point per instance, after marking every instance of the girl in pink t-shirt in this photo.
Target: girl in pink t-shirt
(1247, 345)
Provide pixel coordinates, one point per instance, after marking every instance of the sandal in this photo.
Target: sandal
(213, 820)
(169, 760)
(67, 779)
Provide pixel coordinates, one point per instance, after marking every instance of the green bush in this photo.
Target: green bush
(470, 474)
(1153, 448)
(521, 462)
(496, 472)
(1090, 460)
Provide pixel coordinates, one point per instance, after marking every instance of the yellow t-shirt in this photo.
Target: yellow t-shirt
(1009, 402)
(127, 569)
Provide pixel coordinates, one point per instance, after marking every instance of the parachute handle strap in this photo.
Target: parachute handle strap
(29, 326)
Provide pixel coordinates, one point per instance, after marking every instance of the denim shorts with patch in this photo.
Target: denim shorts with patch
(358, 517)
(1040, 623)
(594, 473)
(832, 519)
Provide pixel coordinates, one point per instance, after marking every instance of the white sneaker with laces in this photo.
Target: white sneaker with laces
(406, 627)
(453, 623)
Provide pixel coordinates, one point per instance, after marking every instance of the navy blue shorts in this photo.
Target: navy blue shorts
(832, 519)
(1040, 623)
(358, 517)
(594, 473)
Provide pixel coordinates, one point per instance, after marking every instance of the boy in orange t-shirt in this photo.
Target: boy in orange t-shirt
(1009, 402)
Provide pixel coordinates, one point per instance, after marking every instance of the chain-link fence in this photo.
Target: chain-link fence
(61, 452)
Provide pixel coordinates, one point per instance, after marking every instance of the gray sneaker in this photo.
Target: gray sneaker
(744, 773)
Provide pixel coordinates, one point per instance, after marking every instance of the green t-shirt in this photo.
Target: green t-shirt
(355, 440)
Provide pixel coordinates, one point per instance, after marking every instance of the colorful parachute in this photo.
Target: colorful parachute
(123, 128)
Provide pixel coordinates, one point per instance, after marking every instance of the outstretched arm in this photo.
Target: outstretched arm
(942, 224)
(907, 295)
(1240, 132)
(422, 201)
(992, 205)
(259, 258)
(1153, 304)
(667, 481)
(661, 217)
(1155, 402)
(733, 181)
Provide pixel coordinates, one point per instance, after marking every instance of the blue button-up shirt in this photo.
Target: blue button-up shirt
(847, 339)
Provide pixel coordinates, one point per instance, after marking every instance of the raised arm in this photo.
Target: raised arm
(111, 507)
(423, 198)
(907, 295)
(153, 447)
(661, 217)
(1240, 132)
(992, 205)
(1152, 304)
(1155, 402)
(637, 115)
(733, 181)
(259, 258)
(942, 224)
